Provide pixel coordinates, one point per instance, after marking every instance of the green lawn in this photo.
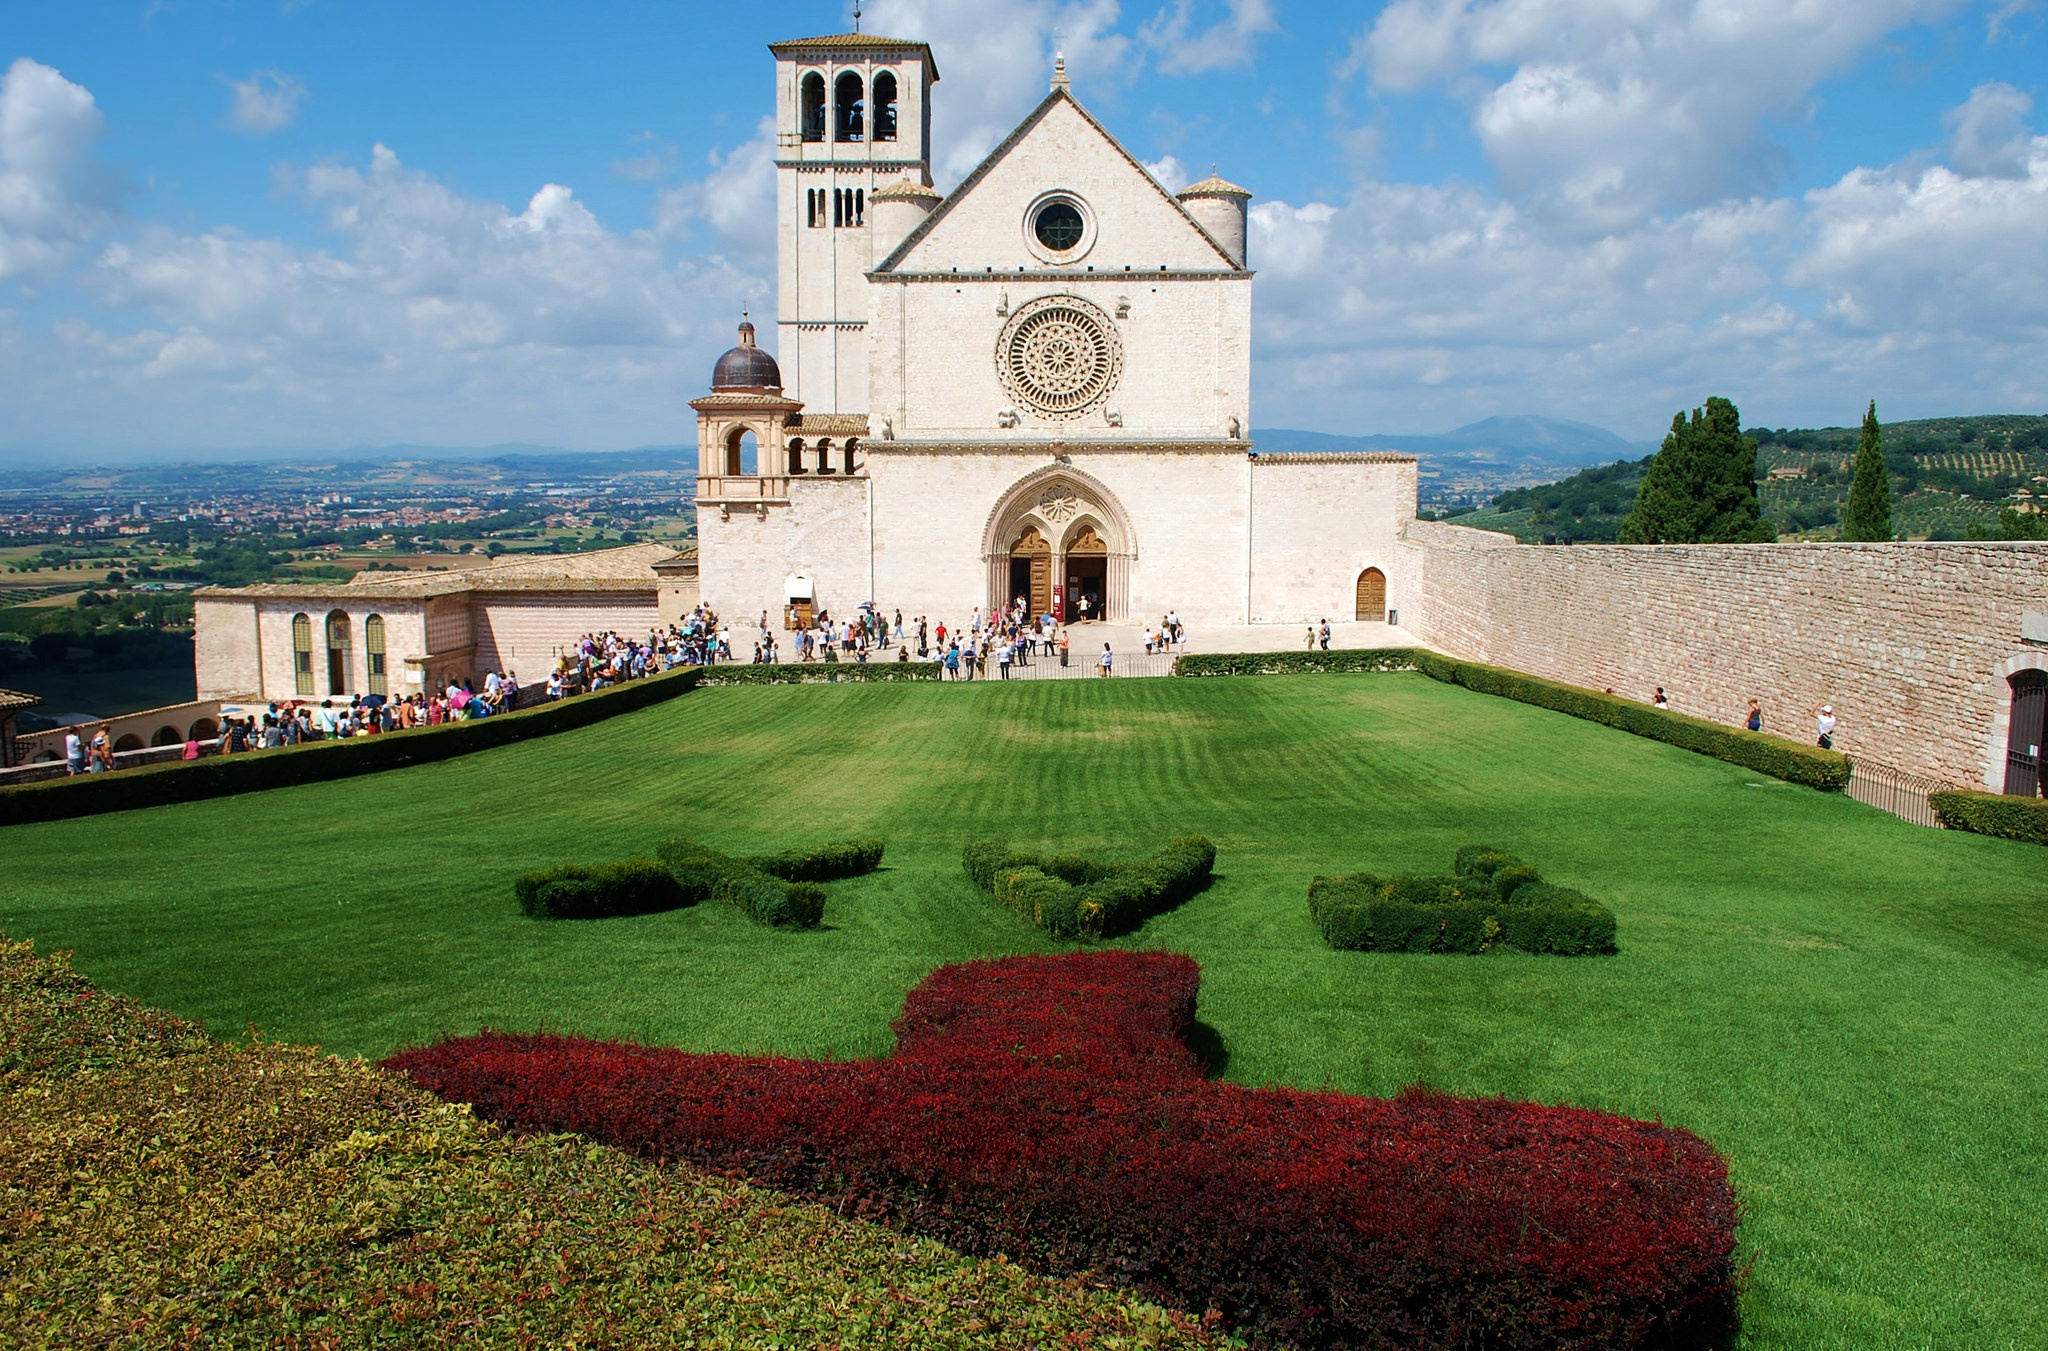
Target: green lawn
(1853, 1009)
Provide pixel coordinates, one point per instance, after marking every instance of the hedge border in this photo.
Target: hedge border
(1996, 814)
(320, 761)
(1827, 771)
(823, 673)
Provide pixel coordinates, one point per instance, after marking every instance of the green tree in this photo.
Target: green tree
(1701, 485)
(1869, 513)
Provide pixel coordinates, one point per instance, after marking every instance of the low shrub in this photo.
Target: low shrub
(1773, 755)
(1070, 896)
(704, 873)
(822, 673)
(1776, 756)
(1047, 1108)
(2008, 817)
(1294, 663)
(318, 761)
(1493, 900)
(634, 886)
(823, 863)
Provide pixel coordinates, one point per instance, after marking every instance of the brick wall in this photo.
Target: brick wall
(1909, 642)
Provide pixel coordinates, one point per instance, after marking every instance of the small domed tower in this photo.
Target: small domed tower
(894, 211)
(746, 402)
(1220, 207)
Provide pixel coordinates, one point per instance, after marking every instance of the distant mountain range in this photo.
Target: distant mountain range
(1523, 443)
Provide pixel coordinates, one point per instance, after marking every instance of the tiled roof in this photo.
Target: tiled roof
(11, 700)
(1212, 186)
(847, 42)
(628, 568)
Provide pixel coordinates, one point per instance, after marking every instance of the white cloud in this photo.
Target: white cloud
(53, 193)
(1230, 41)
(1408, 306)
(1988, 134)
(432, 316)
(1603, 113)
(267, 101)
(1171, 173)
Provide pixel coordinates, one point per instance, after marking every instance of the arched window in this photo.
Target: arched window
(1372, 596)
(796, 456)
(373, 652)
(128, 742)
(2027, 731)
(206, 729)
(852, 444)
(885, 106)
(824, 454)
(860, 206)
(811, 121)
(741, 452)
(167, 736)
(849, 109)
(337, 653)
(302, 656)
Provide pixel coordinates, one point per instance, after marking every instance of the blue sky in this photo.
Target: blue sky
(321, 224)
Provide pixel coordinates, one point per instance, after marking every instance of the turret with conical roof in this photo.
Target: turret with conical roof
(1220, 207)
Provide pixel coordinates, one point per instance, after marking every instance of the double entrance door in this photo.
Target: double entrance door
(1081, 573)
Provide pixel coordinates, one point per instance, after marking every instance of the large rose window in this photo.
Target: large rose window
(1059, 356)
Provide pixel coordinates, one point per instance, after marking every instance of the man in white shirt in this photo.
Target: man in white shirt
(1824, 722)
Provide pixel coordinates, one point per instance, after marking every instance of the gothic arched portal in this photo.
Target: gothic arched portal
(1081, 532)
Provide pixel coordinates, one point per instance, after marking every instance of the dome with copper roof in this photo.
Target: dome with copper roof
(746, 366)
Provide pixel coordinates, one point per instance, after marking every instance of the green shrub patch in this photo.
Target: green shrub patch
(634, 886)
(1070, 896)
(1296, 663)
(822, 673)
(2009, 818)
(1492, 900)
(706, 874)
(823, 863)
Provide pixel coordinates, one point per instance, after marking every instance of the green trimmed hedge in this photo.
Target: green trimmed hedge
(1493, 900)
(2009, 818)
(1776, 756)
(823, 863)
(319, 761)
(1296, 662)
(1073, 897)
(634, 886)
(821, 672)
(706, 874)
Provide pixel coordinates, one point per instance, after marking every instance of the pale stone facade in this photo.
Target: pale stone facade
(400, 633)
(1912, 644)
(1038, 386)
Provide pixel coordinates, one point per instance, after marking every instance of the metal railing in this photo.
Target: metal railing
(1894, 790)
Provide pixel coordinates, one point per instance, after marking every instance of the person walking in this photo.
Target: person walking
(1755, 722)
(1106, 660)
(74, 751)
(1824, 723)
(1311, 644)
(952, 663)
(1324, 634)
(1003, 660)
(1066, 641)
(101, 753)
(1660, 701)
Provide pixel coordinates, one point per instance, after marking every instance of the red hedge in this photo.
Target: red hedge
(1045, 1107)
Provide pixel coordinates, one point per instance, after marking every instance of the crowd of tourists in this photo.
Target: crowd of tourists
(1000, 640)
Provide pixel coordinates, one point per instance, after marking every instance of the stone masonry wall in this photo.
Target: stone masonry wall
(1318, 521)
(1904, 640)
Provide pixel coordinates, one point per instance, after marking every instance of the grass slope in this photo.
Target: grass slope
(1849, 1007)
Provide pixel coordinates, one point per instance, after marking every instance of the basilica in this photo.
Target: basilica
(1036, 387)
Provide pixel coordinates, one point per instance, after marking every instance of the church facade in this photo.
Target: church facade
(1038, 386)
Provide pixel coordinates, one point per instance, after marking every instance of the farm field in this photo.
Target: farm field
(1850, 1008)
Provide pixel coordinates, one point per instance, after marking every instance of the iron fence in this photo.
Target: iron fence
(1894, 790)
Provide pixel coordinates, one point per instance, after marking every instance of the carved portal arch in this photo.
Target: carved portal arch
(1054, 535)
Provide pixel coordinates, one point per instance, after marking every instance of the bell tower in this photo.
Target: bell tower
(852, 114)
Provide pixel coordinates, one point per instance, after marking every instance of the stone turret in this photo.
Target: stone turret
(1220, 207)
(895, 210)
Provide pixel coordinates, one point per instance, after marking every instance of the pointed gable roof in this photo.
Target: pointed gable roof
(1212, 254)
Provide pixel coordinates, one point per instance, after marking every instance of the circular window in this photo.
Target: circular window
(1059, 226)
(1060, 356)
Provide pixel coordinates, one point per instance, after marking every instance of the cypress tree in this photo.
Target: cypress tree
(1701, 487)
(1868, 515)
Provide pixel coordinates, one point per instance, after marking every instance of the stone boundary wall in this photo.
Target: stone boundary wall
(1911, 643)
